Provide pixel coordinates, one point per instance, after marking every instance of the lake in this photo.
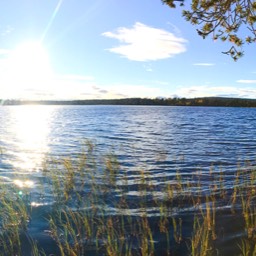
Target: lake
(156, 141)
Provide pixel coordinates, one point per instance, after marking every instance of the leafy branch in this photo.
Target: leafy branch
(224, 20)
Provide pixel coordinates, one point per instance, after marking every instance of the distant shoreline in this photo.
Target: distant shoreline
(204, 101)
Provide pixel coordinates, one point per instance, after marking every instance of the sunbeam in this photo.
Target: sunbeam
(55, 12)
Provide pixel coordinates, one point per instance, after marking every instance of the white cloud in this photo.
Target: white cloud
(7, 30)
(4, 52)
(204, 64)
(158, 82)
(76, 77)
(247, 81)
(145, 43)
(212, 91)
(68, 87)
(55, 87)
(133, 90)
(148, 67)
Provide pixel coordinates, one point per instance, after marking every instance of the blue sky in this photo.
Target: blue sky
(98, 49)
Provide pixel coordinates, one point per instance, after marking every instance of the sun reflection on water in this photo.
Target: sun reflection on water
(30, 131)
(24, 184)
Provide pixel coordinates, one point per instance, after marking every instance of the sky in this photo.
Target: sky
(98, 49)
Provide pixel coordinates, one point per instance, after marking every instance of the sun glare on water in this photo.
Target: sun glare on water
(30, 131)
(27, 142)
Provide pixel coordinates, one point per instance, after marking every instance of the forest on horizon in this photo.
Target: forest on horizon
(203, 101)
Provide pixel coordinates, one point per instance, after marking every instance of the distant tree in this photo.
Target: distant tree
(225, 20)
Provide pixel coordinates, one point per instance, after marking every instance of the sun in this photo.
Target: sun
(29, 59)
(28, 68)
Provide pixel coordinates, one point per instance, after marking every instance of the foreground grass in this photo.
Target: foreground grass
(99, 209)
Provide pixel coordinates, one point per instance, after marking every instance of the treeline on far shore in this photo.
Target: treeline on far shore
(204, 101)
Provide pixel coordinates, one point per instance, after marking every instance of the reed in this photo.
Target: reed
(120, 234)
(97, 208)
(247, 248)
(14, 221)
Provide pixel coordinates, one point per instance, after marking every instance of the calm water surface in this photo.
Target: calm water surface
(159, 140)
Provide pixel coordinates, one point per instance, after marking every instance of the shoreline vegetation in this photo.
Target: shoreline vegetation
(204, 101)
(99, 209)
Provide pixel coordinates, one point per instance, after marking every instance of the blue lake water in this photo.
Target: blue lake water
(158, 140)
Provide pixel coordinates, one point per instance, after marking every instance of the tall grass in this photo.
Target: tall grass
(100, 209)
